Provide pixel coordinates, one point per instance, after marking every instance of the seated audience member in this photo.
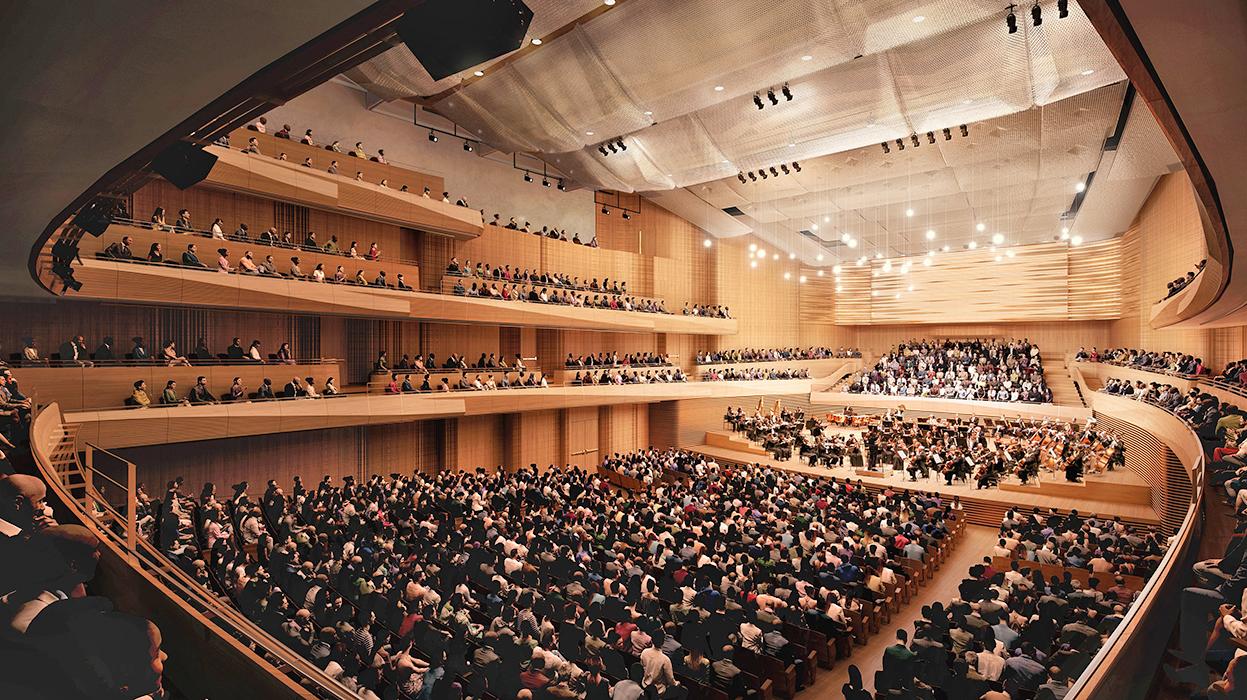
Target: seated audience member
(330, 389)
(30, 351)
(105, 352)
(293, 389)
(120, 250)
(237, 392)
(235, 351)
(284, 355)
(155, 254)
(171, 357)
(139, 397)
(183, 222)
(222, 261)
(74, 352)
(307, 138)
(265, 391)
(191, 257)
(400, 283)
(139, 350)
(199, 393)
(169, 397)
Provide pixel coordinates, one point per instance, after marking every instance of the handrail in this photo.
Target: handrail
(142, 555)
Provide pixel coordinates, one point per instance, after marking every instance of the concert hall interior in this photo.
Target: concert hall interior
(624, 350)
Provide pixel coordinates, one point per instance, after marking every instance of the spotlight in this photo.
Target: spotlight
(1011, 20)
(626, 216)
(741, 177)
(545, 182)
(622, 146)
(602, 150)
(964, 130)
(467, 146)
(752, 177)
(770, 95)
(562, 186)
(527, 177)
(1036, 14)
(796, 166)
(900, 144)
(914, 138)
(762, 173)
(757, 100)
(885, 147)
(774, 172)
(432, 136)
(787, 93)
(784, 167)
(948, 134)
(707, 243)
(931, 137)
(1062, 8)
(606, 210)
(611, 146)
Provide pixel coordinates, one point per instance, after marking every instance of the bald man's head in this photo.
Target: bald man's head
(21, 499)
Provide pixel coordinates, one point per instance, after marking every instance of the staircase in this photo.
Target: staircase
(1056, 374)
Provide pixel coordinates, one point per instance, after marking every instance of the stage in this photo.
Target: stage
(1113, 493)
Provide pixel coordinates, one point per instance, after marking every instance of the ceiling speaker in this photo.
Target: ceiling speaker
(184, 164)
(449, 36)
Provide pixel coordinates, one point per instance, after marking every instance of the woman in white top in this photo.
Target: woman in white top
(217, 231)
(318, 274)
(330, 388)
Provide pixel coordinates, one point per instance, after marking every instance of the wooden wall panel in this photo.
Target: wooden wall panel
(475, 441)
(580, 436)
(852, 295)
(765, 303)
(1095, 279)
(622, 429)
(1164, 242)
(534, 437)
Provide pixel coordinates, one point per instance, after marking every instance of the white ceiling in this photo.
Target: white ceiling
(1038, 105)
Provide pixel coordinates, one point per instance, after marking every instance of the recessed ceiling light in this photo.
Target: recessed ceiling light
(1087, 72)
(930, 234)
(706, 243)
(918, 19)
(826, 219)
(478, 73)
(807, 57)
(536, 42)
(588, 133)
(980, 227)
(718, 88)
(813, 227)
(852, 243)
(909, 212)
(792, 256)
(820, 257)
(608, 3)
(649, 114)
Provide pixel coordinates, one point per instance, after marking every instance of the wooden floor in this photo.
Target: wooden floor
(975, 543)
(983, 506)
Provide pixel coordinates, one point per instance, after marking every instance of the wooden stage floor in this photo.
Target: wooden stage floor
(1101, 495)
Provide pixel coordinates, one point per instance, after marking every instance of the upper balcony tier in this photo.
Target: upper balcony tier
(262, 174)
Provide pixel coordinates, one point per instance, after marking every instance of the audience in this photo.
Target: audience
(1176, 363)
(714, 357)
(1181, 283)
(748, 374)
(977, 370)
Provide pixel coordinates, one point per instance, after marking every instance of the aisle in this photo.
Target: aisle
(976, 543)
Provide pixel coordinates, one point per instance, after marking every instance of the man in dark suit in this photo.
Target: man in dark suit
(139, 351)
(120, 249)
(74, 352)
(191, 257)
(235, 350)
(266, 390)
(293, 389)
(106, 351)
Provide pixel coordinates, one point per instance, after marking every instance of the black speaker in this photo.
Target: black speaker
(94, 218)
(184, 164)
(448, 36)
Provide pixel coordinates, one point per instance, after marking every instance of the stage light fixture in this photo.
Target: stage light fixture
(757, 100)
(1011, 20)
(784, 167)
(562, 186)
(774, 172)
(796, 166)
(741, 177)
(611, 146)
(914, 139)
(626, 216)
(606, 210)
(900, 144)
(948, 134)
(467, 146)
(964, 131)
(886, 150)
(602, 150)
(1036, 15)
(1062, 8)
(545, 182)
(770, 95)
(432, 136)
(787, 93)
(762, 173)
(931, 137)
(622, 146)
(752, 177)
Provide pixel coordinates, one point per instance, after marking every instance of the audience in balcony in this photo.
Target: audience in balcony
(710, 357)
(614, 359)
(977, 370)
(629, 376)
(1182, 282)
(749, 374)
(1164, 362)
